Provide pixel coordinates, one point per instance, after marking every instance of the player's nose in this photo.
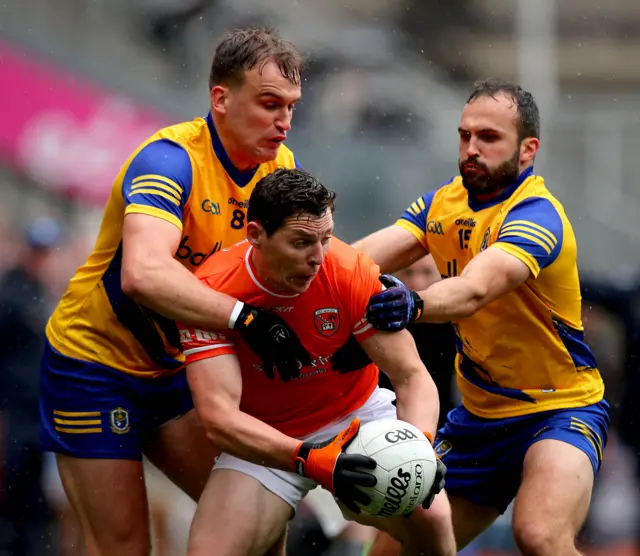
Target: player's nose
(283, 122)
(316, 256)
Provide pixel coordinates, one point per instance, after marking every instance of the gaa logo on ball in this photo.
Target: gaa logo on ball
(406, 466)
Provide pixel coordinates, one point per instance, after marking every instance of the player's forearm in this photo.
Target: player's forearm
(417, 400)
(451, 299)
(250, 439)
(171, 290)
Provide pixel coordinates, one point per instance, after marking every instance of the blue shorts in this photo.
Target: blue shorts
(484, 457)
(92, 411)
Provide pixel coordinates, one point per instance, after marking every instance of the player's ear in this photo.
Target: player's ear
(219, 95)
(255, 233)
(528, 149)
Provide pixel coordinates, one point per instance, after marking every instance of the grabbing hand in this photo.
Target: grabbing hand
(438, 484)
(394, 308)
(340, 473)
(274, 342)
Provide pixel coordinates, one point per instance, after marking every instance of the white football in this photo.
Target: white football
(406, 466)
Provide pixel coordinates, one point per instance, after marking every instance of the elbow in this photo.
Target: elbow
(477, 298)
(136, 280)
(216, 427)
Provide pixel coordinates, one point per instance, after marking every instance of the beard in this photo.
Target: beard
(483, 181)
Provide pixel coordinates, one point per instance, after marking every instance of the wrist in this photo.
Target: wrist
(300, 458)
(418, 307)
(235, 313)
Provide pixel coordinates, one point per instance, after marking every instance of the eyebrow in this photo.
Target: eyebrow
(483, 130)
(278, 96)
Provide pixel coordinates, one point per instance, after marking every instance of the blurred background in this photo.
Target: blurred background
(83, 82)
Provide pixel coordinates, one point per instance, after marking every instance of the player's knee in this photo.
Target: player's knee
(537, 538)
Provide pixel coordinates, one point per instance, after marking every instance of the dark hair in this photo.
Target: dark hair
(288, 192)
(528, 124)
(243, 49)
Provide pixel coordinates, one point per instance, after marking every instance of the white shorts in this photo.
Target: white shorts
(292, 487)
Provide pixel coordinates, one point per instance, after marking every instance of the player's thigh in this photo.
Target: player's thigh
(554, 496)
(237, 516)
(89, 417)
(182, 451)
(558, 472)
(110, 502)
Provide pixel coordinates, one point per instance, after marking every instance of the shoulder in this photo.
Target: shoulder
(185, 133)
(219, 266)
(346, 262)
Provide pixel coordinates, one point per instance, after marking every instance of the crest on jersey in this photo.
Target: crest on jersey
(120, 420)
(442, 448)
(485, 240)
(327, 321)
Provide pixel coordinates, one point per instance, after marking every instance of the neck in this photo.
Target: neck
(240, 160)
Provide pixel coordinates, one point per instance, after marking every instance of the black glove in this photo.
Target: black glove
(340, 473)
(274, 342)
(438, 484)
(349, 357)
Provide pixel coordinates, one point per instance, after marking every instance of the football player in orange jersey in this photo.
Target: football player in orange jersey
(113, 380)
(282, 438)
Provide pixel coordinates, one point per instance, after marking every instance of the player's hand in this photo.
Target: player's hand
(438, 483)
(394, 308)
(349, 357)
(340, 473)
(272, 339)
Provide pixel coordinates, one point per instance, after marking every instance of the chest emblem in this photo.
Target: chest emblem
(485, 240)
(327, 321)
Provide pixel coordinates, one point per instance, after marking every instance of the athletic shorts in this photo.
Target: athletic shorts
(89, 410)
(484, 457)
(292, 487)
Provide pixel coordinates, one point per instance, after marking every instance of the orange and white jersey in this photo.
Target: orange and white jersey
(323, 317)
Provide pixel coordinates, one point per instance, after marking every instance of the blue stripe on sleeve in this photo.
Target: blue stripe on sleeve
(159, 176)
(535, 226)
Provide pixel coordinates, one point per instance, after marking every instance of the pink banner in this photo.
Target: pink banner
(63, 132)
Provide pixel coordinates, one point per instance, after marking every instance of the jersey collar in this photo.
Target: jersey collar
(476, 205)
(241, 178)
(254, 277)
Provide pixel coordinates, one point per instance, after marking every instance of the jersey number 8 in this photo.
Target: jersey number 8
(237, 222)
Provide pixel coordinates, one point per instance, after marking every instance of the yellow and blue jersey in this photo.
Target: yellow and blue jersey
(183, 175)
(525, 352)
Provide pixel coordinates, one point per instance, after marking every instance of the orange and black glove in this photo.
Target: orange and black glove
(438, 480)
(340, 473)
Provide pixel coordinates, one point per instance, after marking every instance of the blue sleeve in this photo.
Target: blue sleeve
(298, 165)
(159, 176)
(534, 226)
(418, 212)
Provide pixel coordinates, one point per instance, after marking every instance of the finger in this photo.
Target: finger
(389, 326)
(267, 367)
(389, 281)
(350, 505)
(288, 370)
(358, 460)
(358, 478)
(386, 295)
(356, 495)
(301, 354)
